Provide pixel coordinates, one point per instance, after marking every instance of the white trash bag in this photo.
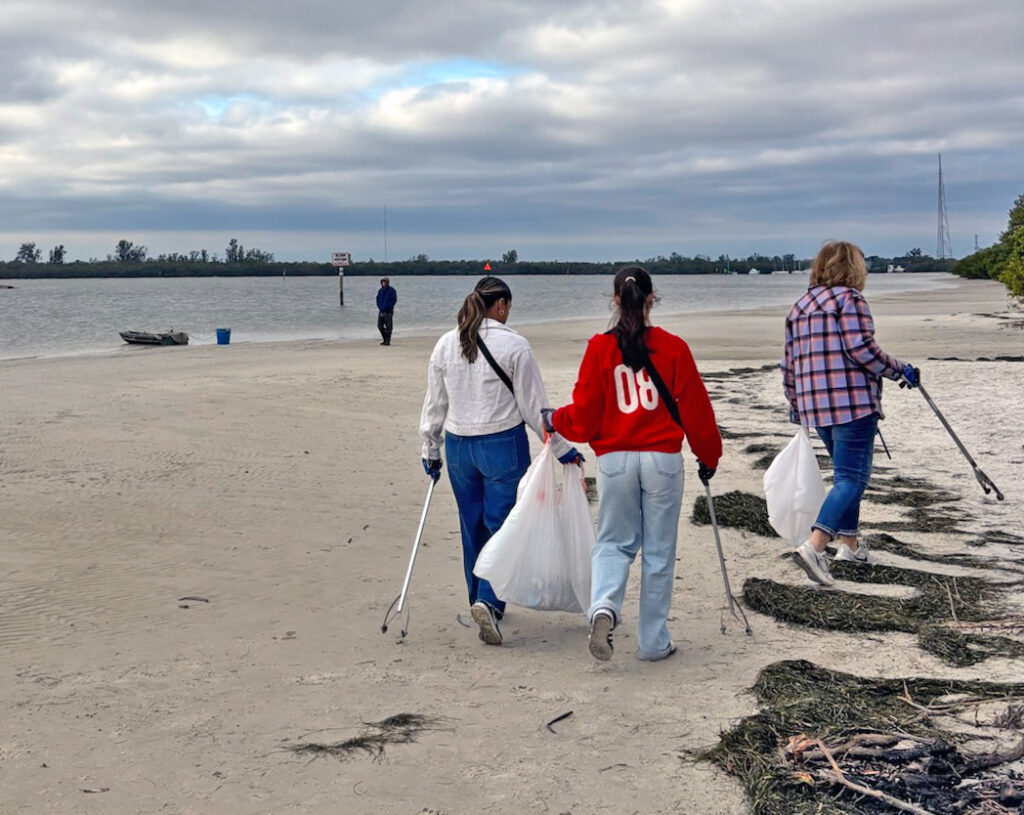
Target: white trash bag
(794, 489)
(540, 558)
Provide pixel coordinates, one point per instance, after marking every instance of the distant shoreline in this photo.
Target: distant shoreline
(422, 267)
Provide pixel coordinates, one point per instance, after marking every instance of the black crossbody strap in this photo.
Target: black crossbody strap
(666, 397)
(659, 383)
(497, 368)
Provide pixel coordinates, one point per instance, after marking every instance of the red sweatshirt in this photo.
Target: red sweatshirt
(614, 408)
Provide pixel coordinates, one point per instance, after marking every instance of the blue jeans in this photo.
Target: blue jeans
(484, 472)
(852, 446)
(641, 493)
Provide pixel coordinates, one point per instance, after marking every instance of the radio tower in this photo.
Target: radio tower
(944, 248)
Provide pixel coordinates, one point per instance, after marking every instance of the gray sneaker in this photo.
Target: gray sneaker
(859, 555)
(814, 563)
(484, 617)
(601, 635)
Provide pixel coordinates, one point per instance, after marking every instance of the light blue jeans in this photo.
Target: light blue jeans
(641, 494)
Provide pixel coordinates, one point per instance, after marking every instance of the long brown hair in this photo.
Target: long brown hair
(633, 286)
(486, 293)
(839, 263)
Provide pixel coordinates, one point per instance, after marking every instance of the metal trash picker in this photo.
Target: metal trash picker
(984, 480)
(734, 604)
(395, 609)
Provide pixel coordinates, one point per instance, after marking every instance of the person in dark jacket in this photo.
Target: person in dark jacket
(387, 298)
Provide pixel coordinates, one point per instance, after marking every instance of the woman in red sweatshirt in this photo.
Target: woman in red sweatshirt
(637, 434)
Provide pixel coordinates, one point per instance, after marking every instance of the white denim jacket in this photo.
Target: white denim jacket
(470, 400)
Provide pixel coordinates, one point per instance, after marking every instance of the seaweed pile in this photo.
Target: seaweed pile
(402, 728)
(939, 604)
(826, 742)
(736, 509)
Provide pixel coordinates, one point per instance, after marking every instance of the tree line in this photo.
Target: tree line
(1004, 260)
(132, 260)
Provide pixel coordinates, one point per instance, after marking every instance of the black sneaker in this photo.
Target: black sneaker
(601, 635)
(483, 614)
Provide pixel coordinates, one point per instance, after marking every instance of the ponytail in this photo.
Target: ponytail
(633, 286)
(484, 295)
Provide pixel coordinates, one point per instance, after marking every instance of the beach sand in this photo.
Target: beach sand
(199, 545)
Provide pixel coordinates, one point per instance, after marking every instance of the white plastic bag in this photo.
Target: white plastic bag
(794, 489)
(540, 558)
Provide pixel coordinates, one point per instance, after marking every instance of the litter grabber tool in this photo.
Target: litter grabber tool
(734, 606)
(885, 446)
(984, 480)
(398, 604)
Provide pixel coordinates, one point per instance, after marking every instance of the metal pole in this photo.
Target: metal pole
(415, 549)
(733, 605)
(341, 286)
(984, 480)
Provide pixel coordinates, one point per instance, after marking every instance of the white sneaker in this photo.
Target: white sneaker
(859, 555)
(601, 635)
(483, 614)
(814, 563)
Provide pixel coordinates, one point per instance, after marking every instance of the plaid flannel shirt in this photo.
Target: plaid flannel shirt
(833, 368)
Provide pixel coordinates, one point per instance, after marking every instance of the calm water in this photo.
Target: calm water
(68, 317)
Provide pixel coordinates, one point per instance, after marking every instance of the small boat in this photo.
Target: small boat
(155, 338)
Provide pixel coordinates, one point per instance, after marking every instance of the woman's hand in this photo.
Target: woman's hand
(433, 468)
(911, 376)
(572, 457)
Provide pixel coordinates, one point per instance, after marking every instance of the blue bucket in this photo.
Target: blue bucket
(223, 336)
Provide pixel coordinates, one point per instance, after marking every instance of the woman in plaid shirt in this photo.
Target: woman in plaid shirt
(832, 373)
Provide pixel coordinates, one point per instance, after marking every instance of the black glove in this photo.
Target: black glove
(545, 419)
(433, 468)
(705, 473)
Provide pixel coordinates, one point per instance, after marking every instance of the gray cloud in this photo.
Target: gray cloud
(587, 130)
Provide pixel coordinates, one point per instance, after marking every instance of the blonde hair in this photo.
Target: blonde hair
(839, 263)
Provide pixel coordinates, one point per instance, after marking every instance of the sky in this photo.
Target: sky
(565, 130)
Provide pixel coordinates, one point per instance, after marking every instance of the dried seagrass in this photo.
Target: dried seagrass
(739, 510)
(797, 697)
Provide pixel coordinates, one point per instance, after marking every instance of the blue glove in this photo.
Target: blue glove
(911, 376)
(705, 473)
(433, 468)
(546, 415)
(572, 457)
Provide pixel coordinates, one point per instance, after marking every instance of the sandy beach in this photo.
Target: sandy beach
(199, 545)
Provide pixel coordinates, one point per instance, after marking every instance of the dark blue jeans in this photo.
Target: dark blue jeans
(484, 472)
(852, 446)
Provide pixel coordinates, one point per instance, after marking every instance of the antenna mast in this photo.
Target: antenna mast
(944, 248)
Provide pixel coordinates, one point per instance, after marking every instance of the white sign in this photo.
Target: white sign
(341, 259)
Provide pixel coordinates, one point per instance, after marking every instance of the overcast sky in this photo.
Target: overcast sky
(562, 129)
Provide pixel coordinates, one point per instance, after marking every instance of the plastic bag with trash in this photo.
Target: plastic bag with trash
(794, 489)
(540, 558)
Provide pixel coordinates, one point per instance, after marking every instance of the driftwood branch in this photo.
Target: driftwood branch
(838, 777)
(994, 759)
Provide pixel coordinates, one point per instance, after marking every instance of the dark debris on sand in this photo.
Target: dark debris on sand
(887, 737)
(403, 728)
(938, 603)
(736, 509)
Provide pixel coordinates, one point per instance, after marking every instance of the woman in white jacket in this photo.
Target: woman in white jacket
(483, 384)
